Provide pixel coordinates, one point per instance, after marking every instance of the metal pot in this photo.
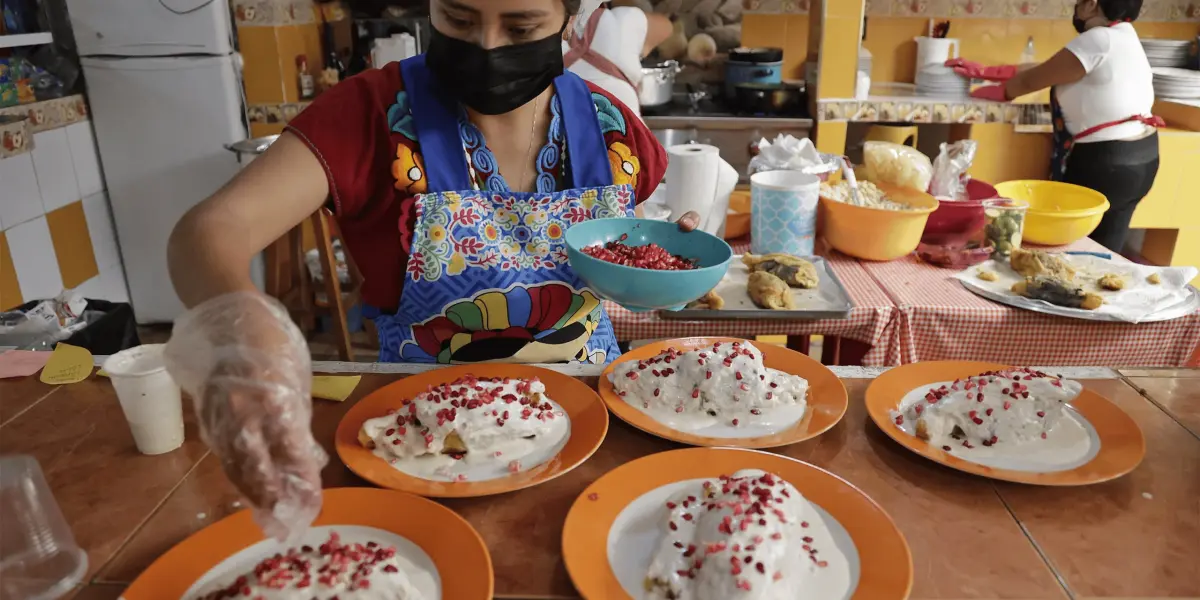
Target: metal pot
(658, 83)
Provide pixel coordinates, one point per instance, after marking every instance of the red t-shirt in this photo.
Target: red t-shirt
(361, 131)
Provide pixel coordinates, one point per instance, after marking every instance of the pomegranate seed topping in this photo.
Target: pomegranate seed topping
(656, 392)
(899, 419)
(1007, 405)
(673, 526)
(671, 505)
(649, 256)
(988, 412)
(708, 374)
(1043, 435)
(1041, 413)
(946, 448)
(735, 422)
(695, 392)
(737, 375)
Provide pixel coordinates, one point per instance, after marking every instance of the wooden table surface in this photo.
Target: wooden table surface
(1136, 537)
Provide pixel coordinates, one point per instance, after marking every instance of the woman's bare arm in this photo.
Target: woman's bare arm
(658, 29)
(211, 247)
(1064, 67)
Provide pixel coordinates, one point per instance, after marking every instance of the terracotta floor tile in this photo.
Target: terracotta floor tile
(76, 434)
(18, 394)
(1138, 536)
(1180, 397)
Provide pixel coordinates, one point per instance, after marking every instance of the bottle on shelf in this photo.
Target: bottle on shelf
(308, 86)
(1028, 57)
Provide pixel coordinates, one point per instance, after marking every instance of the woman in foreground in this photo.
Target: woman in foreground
(453, 176)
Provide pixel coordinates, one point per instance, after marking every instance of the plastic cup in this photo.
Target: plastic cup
(149, 397)
(39, 559)
(1005, 225)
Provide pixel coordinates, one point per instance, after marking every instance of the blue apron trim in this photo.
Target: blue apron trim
(585, 142)
(437, 129)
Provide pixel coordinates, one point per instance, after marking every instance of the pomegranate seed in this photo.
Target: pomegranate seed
(649, 256)
(708, 374)
(738, 375)
(735, 422)
(1043, 435)
(988, 412)
(1041, 413)
(695, 392)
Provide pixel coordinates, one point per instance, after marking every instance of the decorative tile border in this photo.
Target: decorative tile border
(15, 136)
(50, 114)
(274, 113)
(918, 111)
(774, 7)
(1152, 10)
(274, 13)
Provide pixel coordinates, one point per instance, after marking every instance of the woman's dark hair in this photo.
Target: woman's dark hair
(1120, 10)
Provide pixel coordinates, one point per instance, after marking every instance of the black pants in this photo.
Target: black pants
(1121, 170)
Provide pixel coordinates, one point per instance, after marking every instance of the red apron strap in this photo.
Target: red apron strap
(1153, 121)
(580, 48)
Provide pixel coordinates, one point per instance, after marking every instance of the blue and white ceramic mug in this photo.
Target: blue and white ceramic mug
(783, 212)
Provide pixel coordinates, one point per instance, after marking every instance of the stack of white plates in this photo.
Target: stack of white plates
(939, 80)
(1170, 82)
(1167, 53)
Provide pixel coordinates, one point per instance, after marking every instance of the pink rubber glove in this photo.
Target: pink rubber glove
(995, 93)
(974, 70)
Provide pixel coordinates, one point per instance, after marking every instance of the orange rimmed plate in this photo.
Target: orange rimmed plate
(591, 542)
(827, 398)
(589, 425)
(446, 551)
(1121, 445)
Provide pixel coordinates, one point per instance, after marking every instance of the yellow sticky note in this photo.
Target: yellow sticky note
(68, 364)
(334, 387)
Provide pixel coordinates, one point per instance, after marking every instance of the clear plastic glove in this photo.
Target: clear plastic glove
(247, 368)
(995, 93)
(974, 70)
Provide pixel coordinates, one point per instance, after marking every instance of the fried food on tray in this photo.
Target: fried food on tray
(1111, 282)
(1153, 279)
(710, 301)
(1035, 263)
(1058, 292)
(986, 275)
(769, 291)
(793, 270)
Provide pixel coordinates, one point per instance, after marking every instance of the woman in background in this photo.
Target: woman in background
(1101, 93)
(606, 44)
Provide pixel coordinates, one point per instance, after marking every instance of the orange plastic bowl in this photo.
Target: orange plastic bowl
(737, 220)
(875, 233)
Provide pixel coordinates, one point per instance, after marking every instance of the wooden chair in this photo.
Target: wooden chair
(288, 279)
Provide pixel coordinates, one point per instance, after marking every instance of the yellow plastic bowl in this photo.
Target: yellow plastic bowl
(1059, 213)
(875, 233)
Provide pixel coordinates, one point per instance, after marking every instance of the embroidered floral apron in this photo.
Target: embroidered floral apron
(1064, 140)
(487, 276)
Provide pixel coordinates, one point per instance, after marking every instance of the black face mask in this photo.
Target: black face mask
(1080, 24)
(494, 81)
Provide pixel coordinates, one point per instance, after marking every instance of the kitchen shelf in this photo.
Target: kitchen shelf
(17, 40)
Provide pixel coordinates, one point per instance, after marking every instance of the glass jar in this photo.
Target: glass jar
(1005, 224)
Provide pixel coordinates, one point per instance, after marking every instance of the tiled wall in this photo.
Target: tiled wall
(56, 231)
(271, 34)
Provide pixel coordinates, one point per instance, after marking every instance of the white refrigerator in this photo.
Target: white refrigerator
(165, 91)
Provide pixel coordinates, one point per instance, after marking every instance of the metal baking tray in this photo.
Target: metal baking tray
(829, 301)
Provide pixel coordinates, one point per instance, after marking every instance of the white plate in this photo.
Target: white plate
(1140, 302)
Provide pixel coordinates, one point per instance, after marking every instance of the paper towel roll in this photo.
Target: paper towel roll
(699, 180)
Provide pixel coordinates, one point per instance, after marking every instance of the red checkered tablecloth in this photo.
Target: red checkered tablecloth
(870, 321)
(938, 319)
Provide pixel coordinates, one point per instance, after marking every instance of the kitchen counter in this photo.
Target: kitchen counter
(709, 123)
(970, 537)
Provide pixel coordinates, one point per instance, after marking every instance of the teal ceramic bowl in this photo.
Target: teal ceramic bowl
(643, 290)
